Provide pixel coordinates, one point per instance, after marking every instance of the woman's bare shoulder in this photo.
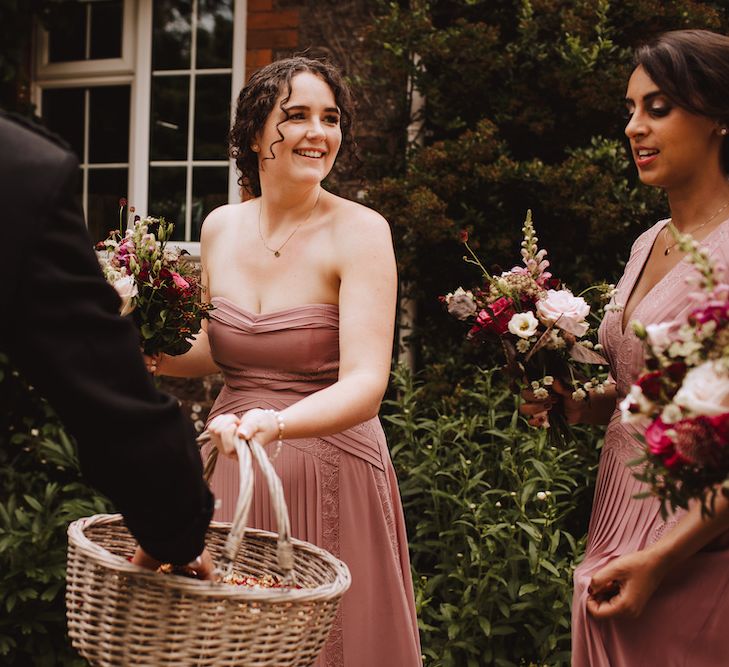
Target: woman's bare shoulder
(221, 218)
(357, 221)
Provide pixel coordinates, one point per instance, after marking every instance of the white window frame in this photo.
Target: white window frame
(87, 68)
(135, 69)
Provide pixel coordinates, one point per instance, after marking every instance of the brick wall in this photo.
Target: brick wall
(271, 28)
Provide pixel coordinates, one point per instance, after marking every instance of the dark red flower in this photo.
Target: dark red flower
(122, 202)
(650, 384)
(463, 235)
(496, 316)
(676, 371)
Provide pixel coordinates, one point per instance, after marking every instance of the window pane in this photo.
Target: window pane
(167, 197)
(63, 113)
(67, 32)
(169, 117)
(109, 124)
(209, 190)
(171, 37)
(106, 29)
(212, 116)
(106, 187)
(214, 33)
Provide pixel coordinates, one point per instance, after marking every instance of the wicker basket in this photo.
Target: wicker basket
(121, 614)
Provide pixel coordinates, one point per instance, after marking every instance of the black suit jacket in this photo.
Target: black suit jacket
(60, 326)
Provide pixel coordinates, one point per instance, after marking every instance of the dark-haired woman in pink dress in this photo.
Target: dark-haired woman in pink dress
(304, 287)
(651, 592)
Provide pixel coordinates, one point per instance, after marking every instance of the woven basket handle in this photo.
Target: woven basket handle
(246, 450)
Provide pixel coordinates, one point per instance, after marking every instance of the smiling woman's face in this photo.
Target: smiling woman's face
(670, 146)
(312, 134)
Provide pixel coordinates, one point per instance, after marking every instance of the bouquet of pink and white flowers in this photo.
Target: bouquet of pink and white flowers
(158, 288)
(543, 327)
(683, 393)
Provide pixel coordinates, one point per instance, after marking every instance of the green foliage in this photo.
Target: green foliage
(523, 109)
(496, 518)
(41, 492)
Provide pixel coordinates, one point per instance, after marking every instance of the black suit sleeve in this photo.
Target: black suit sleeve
(67, 338)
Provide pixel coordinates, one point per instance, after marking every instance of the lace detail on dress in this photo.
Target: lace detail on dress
(660, 531)
(329, 455)
(383, 490)
(367, 429)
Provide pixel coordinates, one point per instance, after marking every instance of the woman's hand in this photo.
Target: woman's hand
(537, 409)
(623, 587)
(201, 568)
(257, 424)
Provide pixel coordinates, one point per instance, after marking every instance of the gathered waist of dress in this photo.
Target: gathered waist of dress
(277, 384)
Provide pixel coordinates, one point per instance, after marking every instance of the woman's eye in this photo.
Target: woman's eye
(628, 114)
(299, 115)
(660, 111)
(332, 120)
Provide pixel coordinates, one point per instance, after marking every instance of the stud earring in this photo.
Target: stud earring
(723, 131)
(256, 148)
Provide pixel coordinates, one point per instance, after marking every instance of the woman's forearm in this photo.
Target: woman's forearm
(196, 362)
(693, 532)
(346, 403)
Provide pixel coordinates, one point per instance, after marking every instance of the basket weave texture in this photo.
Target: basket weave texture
(120, 614)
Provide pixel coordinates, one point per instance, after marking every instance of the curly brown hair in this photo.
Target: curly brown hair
(256, 101)
(691, 67)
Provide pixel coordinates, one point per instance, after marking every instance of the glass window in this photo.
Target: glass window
(85, 30)
(209, 190)
(168, 129)
(95, 122)
(190, 113)
(214, 34)
(167, 187)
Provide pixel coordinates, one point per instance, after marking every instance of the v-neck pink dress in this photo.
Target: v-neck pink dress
(341, 489)
(686, 621)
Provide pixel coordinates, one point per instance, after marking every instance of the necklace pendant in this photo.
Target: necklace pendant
(276, 253)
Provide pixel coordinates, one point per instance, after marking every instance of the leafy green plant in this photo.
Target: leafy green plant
(41, 492)
(496, 519)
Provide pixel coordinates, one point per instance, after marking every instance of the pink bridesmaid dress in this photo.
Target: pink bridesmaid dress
(686, 621)
(341, 489)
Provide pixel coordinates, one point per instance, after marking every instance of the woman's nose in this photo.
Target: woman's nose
(315, 130)
(636, 126)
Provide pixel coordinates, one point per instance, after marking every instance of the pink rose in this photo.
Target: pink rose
(661, 444)
(565, 311)
(180, 282)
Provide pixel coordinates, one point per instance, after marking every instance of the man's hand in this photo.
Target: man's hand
(201, 568)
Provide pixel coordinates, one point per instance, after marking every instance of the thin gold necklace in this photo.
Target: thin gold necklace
(277, 251)
(668, 249)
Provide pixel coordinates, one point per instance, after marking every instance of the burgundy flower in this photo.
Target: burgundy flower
(676, 371)
(463, 235)
(650, 384)
(717, 312)
(122, 202)
(497, 320)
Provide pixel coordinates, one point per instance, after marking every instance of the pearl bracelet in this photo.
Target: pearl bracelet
(281, 426)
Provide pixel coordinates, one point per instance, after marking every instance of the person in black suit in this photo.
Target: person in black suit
(62, 330)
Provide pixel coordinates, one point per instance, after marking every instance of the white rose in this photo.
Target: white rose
(659, 335)
(565, 310)
(635, 400)
(461, 304)
(705, 390)
(126, 288)
(523, 325)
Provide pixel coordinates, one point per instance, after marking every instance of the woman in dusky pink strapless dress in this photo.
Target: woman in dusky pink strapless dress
(650, 592)
(304, 288)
